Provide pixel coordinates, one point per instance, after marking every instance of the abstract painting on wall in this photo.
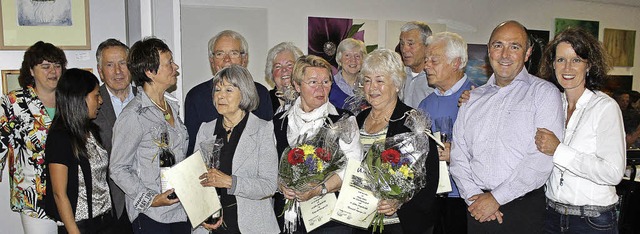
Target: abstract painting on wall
(539, 38)
(325, 34)
(620, 44)
(478, 69)
(592, 27)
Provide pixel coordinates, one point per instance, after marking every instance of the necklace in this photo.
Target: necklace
(165, 112)
(383, 116)
(228, 128)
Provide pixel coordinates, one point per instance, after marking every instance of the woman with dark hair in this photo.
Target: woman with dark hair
(76, 162)
(590, 161)
(148, 126)
(24, 124)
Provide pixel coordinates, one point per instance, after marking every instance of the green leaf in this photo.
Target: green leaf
(371, 48)
(354, 29)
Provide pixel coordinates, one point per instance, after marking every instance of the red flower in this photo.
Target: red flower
(323, 154)
(295, 156)
(390, 155)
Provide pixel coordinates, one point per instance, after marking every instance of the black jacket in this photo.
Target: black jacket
(418, 214)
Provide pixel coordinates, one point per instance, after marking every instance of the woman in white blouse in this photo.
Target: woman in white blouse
(589, 161)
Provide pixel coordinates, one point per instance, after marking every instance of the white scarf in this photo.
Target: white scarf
(301, 122)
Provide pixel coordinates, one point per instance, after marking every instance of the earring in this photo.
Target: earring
(587, 73)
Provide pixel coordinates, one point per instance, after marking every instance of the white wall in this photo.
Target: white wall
(107, 21)
(473, 20)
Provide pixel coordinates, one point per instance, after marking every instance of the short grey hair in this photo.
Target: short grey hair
(455, 47)
(273, 52)
(425, 30)
(239, 77)
(350, 44)
(385, 62)
(111, 42)
(244, 46)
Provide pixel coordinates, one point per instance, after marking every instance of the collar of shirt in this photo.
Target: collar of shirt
(344, 86)
(117, 104)
(523, 76)
(453, 89)
(413, 74)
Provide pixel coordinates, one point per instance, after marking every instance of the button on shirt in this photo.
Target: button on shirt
(416, 88)
(591, 157)
(493, 138)
(118, 105)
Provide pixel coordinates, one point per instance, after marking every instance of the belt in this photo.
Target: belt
(587, 211)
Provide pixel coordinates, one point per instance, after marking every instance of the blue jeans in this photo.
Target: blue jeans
(555, 222)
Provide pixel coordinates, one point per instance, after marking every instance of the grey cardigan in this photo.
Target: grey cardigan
(254, 173)
(134, 166)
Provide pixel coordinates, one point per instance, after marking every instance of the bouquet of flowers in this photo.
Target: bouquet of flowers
(210, 152)
(395, 166)
(311, 161)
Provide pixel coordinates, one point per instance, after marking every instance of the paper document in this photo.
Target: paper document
(199, 202)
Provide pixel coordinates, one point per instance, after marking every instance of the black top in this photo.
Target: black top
(275, 100)
(228, 201)
(59, 150)
(418, 214)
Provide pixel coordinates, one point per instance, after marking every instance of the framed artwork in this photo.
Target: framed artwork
(620, 44)
(10, 80)
(478, 69)
(592, 27)
(325, 34)
(540, 39)
(64, 23)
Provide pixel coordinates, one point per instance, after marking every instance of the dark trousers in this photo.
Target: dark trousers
(453, 215)
(522, 215)
(102, 224)
(122, 225)
(606, 223)
(145, 225)
(388, 229)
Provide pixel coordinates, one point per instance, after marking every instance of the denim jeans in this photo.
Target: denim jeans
(555, 222)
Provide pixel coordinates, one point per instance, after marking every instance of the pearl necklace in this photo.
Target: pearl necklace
(165, 112)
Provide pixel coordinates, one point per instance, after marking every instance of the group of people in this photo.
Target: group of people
(506, 140)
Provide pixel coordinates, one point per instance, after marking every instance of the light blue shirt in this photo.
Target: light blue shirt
(493, 138)
(453, 89)
(344, 86)
(118, 105)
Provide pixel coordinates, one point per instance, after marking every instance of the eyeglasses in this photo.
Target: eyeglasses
(47, 66)
(572, 62)
(315, 84)
(234, 54)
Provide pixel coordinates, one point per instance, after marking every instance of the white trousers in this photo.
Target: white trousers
(38, 226)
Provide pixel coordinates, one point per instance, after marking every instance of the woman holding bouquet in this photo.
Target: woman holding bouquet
(248, 171)
(311, 112)
(147, 126)
(383, 77)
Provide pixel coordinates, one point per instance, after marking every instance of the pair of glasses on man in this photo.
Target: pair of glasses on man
(234, 54)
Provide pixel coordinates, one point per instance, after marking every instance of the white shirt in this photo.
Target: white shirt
(118, 105)
(591, 158)
(416, 88)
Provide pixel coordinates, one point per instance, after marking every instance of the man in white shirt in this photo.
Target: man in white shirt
(413, 46)
(116, 92)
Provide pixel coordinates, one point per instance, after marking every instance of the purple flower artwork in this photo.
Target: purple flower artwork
(325, 34)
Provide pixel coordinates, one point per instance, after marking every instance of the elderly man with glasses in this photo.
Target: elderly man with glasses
(225, 48)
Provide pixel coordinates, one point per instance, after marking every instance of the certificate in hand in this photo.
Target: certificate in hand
(317, 211)
(356, 204)
(444, 182)
(199, 202)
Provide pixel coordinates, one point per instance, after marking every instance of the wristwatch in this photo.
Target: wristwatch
(324, 189)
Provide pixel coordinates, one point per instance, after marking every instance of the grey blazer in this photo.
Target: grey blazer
(133, 164)
(105, 120)
(255, 174)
